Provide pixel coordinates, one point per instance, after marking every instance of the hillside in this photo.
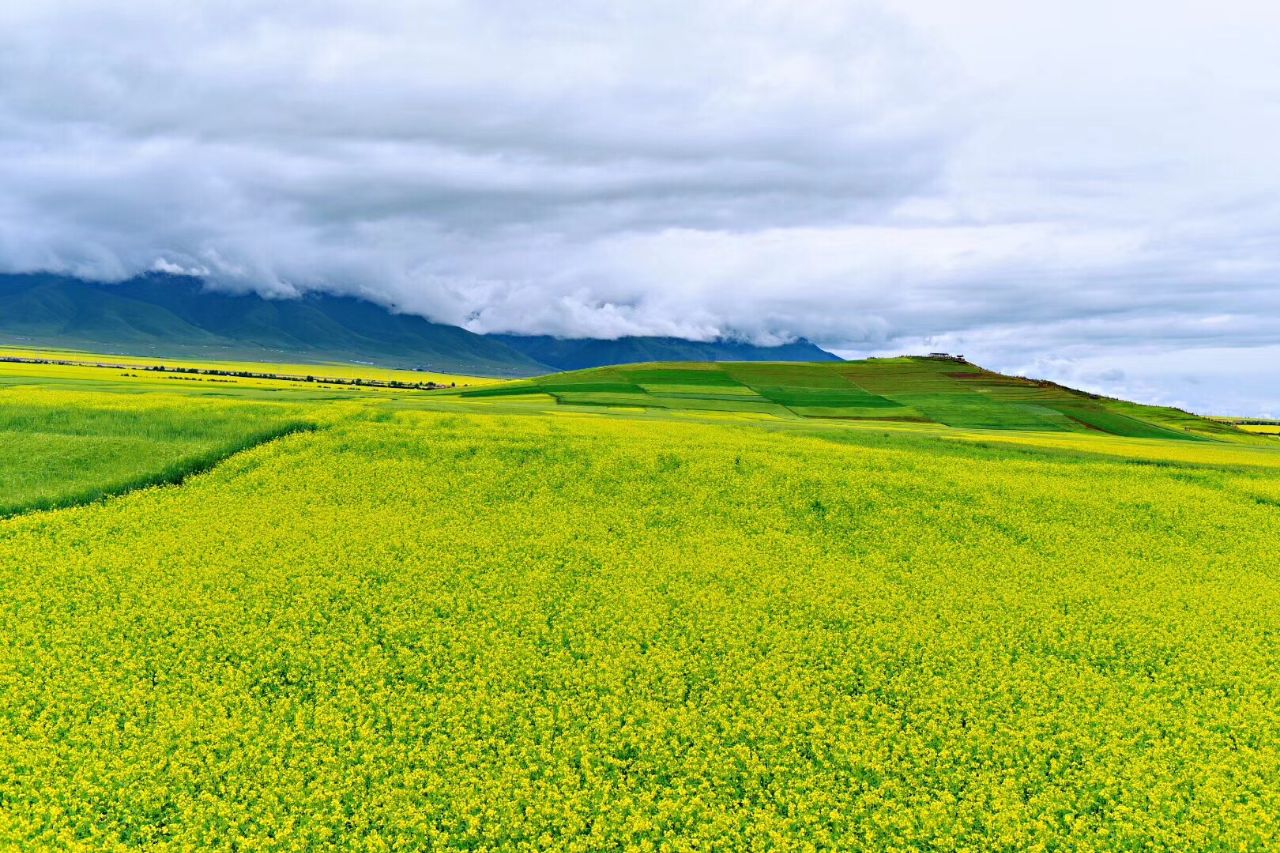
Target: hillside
(176, 316)
(943, 391)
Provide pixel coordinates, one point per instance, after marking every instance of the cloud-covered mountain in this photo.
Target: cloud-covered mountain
(161, 314)
(176, 316)
(578, 353)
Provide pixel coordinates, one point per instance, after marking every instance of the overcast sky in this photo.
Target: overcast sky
(1083, 190)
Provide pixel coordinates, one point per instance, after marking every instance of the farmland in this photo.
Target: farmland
(65, 448)
(864, 605)
(1261, 428)
(922, 390)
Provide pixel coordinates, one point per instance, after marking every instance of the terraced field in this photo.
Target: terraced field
(921, 390)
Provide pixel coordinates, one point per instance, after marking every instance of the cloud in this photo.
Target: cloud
(379, 146)
(1018, 181)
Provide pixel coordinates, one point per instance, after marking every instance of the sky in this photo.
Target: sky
(1077, 190)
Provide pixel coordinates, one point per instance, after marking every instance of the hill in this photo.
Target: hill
(177, 316)
(946, 391)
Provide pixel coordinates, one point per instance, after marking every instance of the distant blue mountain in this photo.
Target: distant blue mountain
(178, 316)
(578, 353)
(159, 314)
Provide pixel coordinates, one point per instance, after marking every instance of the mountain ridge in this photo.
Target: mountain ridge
(178, 316)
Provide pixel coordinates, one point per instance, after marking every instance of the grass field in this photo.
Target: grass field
(637, 608)
(62, 449)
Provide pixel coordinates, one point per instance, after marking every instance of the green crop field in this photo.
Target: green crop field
(903, 604)
(926, 390)
(61, 450)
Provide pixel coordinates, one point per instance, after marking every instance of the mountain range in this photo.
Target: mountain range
(180, 316)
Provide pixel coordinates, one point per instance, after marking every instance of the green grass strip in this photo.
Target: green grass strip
(173, 474)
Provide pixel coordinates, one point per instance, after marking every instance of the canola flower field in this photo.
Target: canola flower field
(437, 622)
(345, 370)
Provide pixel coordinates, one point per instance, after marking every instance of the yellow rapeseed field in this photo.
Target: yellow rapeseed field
(337, 370)
(461, 626)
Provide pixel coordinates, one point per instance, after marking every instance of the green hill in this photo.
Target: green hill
(176, 316)
(946, 391)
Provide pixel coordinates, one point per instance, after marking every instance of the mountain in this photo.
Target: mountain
(578, 353)
(178, 316)
(158, 314)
